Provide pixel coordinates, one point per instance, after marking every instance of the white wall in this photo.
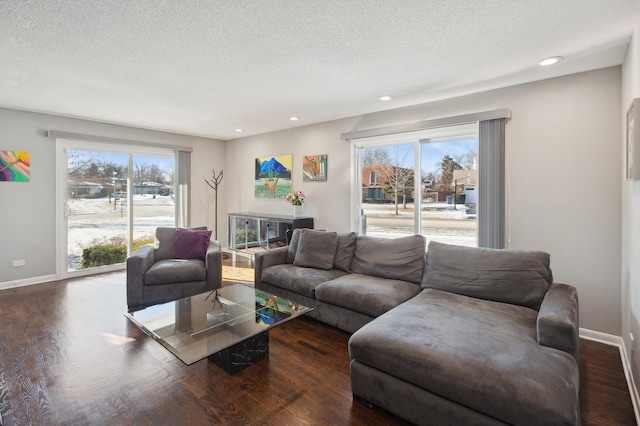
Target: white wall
(563, 161)
(564, 171)
(328, 202)
(630, 268)
(27, 209)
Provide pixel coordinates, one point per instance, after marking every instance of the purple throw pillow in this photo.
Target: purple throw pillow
(190, 244)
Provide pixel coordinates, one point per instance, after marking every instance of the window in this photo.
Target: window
(113, 197)
(416, 177)
(374, 178)
(446, 182)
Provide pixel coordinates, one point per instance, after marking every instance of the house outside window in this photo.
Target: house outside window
(419, 186)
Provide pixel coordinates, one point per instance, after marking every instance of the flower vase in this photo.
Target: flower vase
(297, 211)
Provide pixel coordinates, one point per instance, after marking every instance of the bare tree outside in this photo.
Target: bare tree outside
(399, 174)
(395, 164)
(399, 182)
(156, 174)
(141, 174)
(86, 169)
(466, 159)
(376, 156)
(169, 174)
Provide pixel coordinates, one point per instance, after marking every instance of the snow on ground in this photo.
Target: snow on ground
(96, 219)
(429, 210)
(442, 222)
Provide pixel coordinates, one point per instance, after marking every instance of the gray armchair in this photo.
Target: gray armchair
(154, 276)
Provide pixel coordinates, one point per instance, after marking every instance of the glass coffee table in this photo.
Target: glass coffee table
(229, 326)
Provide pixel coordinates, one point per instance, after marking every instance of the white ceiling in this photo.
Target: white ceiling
(208, 67)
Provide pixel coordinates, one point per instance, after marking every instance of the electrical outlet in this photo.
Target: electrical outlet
(632, 343)
(19, 262)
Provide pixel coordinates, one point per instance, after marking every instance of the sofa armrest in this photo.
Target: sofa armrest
(137, 265)
(264, 259)
(213, 262)
(557, 322)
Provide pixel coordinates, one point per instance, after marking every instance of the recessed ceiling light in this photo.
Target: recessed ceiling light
(550, 61)
(294, 118)
(385, 98)
(239, 130)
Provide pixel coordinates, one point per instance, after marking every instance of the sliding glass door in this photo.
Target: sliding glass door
(96, 214)
(113, 199)
(388, 196)
(153, 196)
(448, 190)
(422, 183)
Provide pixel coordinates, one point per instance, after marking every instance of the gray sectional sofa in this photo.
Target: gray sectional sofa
(458, 336)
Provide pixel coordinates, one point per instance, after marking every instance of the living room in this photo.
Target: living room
(566, 192)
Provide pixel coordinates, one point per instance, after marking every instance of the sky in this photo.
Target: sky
(434, 152)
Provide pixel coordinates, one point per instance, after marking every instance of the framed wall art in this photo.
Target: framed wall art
(273, 176)
(15, 166)
(314, 168)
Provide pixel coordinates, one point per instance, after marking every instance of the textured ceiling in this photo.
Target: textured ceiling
(209, 67)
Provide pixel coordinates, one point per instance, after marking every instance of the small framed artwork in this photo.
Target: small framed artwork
(632, 142)
(314, 168)
(15, 166)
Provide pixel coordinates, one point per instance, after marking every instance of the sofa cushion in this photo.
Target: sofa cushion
(399, 258)
(365, 294)
(298, 279)
(172, 271)
(478, 353)
(293, 245)
(519, 277)
(165, 239)
(344, 251)
(316, 249)
(191, 244)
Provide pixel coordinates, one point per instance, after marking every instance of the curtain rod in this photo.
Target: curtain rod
(94, 138)
(428, 124)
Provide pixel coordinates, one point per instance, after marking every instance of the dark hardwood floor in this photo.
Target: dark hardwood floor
(69, 356)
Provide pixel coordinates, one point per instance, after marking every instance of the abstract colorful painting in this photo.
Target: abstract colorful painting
(314, 168)
(15, 166)
(273, 176)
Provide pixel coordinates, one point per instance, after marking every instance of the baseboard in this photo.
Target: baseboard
(27, 281)
(618, 341)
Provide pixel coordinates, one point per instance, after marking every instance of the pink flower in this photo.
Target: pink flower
(296, 198)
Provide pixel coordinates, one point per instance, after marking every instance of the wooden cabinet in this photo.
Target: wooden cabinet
(253, 232)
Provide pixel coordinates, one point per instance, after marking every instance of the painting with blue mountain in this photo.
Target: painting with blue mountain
(273, 176)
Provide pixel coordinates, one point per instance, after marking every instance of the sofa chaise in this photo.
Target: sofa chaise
(490, 340)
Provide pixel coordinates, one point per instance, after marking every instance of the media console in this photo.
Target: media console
(250, 233)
